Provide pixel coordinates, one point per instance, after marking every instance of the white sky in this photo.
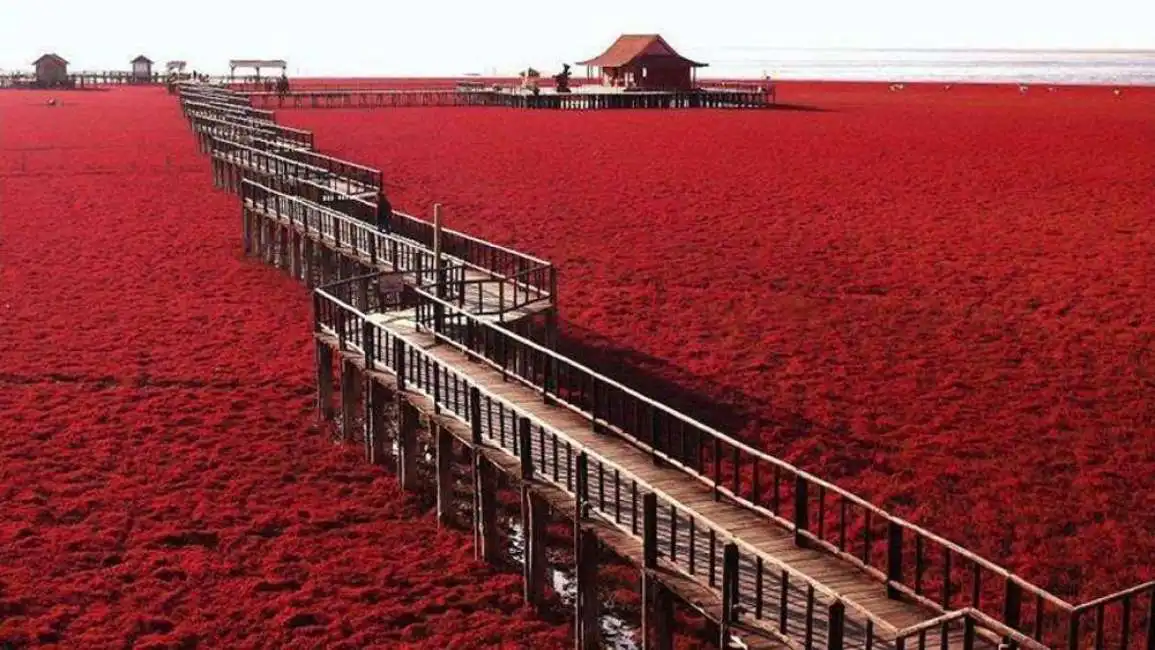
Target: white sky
(367, 38)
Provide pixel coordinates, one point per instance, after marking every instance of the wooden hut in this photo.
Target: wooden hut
(51, 70)
(645, 62)
(142, 68)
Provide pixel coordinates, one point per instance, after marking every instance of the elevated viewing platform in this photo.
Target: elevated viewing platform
(428, 329)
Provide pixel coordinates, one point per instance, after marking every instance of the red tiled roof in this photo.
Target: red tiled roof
(631, 46)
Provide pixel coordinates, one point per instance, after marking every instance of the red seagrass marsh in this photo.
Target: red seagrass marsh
(163, 485)
(938, 297)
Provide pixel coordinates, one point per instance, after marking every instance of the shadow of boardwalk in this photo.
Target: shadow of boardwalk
(737, 413)
(805, 108)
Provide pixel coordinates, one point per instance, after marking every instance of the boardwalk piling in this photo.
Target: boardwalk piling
(485, 541)
(534, 517)
(375, 424)
(444, 474)
(295, 252)
(407, 443)
(657, 604)
(350, 397)
(324, 381)
(310, 263)
(729, 592)
(586, 598)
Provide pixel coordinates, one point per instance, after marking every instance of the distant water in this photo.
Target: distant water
(997, 66)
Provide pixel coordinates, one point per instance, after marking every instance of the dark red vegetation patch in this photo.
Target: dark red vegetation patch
(162, 482)
(940, 298)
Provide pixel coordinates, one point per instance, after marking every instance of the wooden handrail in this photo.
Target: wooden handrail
(1117, 596)
(456, 233)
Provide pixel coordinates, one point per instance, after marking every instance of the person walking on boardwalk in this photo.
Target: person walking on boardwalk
(384, 212)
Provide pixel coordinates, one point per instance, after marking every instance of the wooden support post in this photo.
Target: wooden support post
(586, 601)
(534, 521)
(375, 424)
(438, 262)
(729, 592)
(893, 559)
(664, 618)
(326, 265)
(324, 381)
(267, 240)
(295, 253)
(310, 262)
(350, 395)
(246, 231)
(1151, 621)
(363, 294)
(801, 511)
(484, 508)
(444, 474)
(282, 247)
(650, 588)
(1013, 604)
(407, 443)
(968, 633)
(835, 625)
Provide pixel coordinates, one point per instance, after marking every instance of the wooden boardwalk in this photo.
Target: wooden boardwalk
(419, 320)
(272, 220)
(692, 526)
(579, 100)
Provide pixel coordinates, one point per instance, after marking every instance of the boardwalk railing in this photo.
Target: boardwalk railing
(278, 164)
(910, 560)
(240, 112)
(343, 232)
(205, 127)
(534, 278)
(360, 174)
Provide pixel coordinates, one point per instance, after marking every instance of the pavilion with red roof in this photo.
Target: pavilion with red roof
(644, 62)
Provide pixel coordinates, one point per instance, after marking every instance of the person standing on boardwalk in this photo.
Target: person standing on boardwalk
(384, 212)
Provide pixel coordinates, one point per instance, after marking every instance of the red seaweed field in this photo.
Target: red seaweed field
(940, 298)
(161, 481)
